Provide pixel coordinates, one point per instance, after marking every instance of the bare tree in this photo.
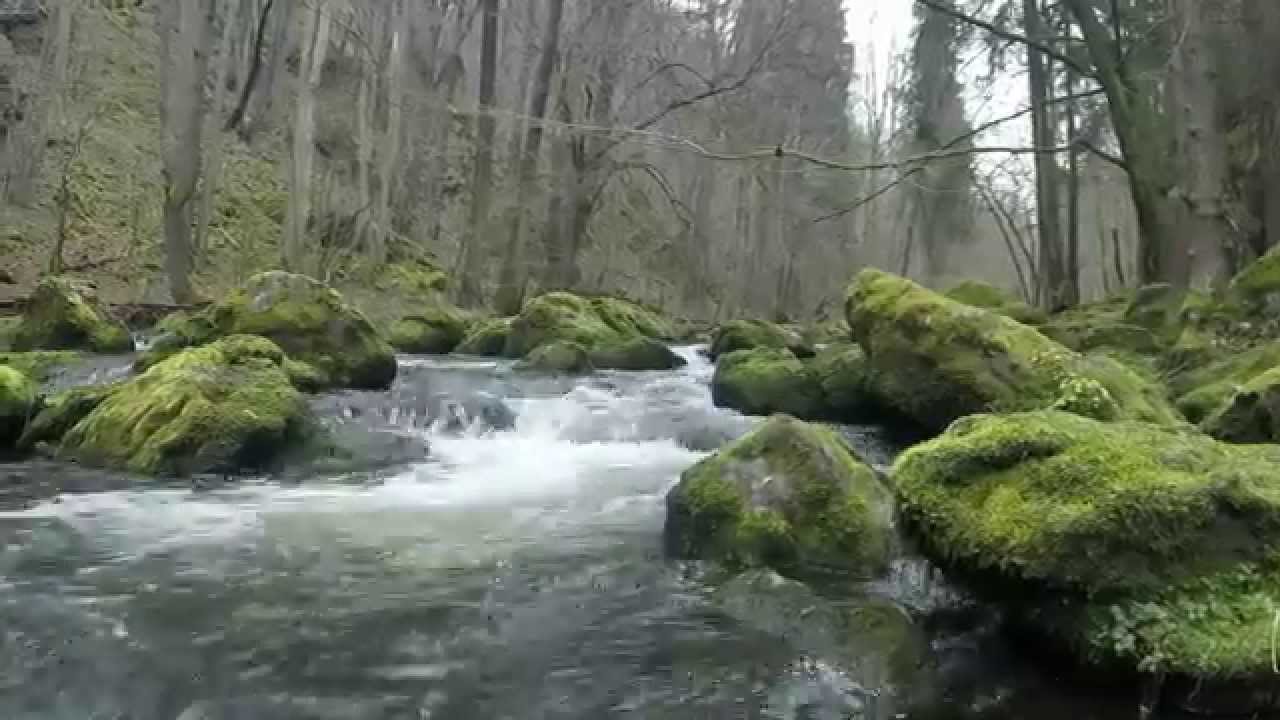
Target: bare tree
(471, 263)
(26, 146)
(301, 158)
(185, 28)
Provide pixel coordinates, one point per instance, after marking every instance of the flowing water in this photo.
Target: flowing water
(509, 567)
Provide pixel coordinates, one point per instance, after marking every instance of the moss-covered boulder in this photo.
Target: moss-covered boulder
(989, 297)
(611, 331)
(841, 373)
(19, 402)
(561, 358)
(1251, 414)
(641, 353)
(434, 330)
(63, 314)
(1202, 389)
(1160, 308)
(788, 495)
(936, 360)
(748, 334)
(763, 381)
(1149, 548)
(61, 413)
(487, 338)
(40, 365)
(1258, 284)
(222, 407)
(309, 320)
(8, 328)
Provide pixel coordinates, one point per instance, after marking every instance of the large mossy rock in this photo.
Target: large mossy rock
(788, 495)
(19, 402)
(1258, 284)
(64, 314)
(611, 331)
(433, 330)
(559, 358)
(765, 380)
(750, 334)
(222, 407)
(1202, 389)
(309, 320)
(989, 297)
(936, 360)
(1156, 549)
(61, 413)
(1251, 414)
(831, 385)
(487, 338)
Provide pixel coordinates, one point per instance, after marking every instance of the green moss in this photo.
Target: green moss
(1202, 390)
(1251, 414)
(557, 357)
(603, 326)
(63, 314)
(8, 327)
(1075, 516)
(39, 366)
(1260, 278)
(487, 338)
(433, 330)
(988, 297)
(788, 495)
(639, 353)
(1085, 336)
(307, 319)
(936, 360)
(19, 401)
(763, 381)
(841, 373)
(61, 413)
(748, 334)
(217, 408)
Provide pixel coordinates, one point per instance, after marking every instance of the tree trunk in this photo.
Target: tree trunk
(302, 155)
(185, 28)
(213, 129)
(272, 75)
(389, 153)
(1053, 271)
(472, 266)
(27, 144)
(1073, 192)
(513, 278)
(1212, 244)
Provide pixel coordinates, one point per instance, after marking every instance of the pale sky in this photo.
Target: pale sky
(880, 29)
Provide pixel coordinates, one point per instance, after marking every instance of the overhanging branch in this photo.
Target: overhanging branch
(1000, 32)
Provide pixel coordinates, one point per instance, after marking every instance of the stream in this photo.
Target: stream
(502, 562)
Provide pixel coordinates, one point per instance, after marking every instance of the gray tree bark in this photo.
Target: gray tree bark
(302, 156)
(471, 282)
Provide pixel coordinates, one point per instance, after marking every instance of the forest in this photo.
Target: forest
(796, 359)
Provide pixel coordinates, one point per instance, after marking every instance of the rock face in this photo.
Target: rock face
(63, 314)
(19, 401)
(487, 338)
(790, 496)
(615, 333)
(436, 330)
(308, 320)
(1154, 548)
(750, 334)
(988, 297)
(221, 407)
(936, 360)
(565, 358)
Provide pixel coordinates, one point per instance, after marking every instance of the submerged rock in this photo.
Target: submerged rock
(223, 407)
(19, 401)
(790, 496)
(936, 360)
(308, 320)
(615, 333)
(560, 357)
(435, 330)
(63, 314)
(487, 338)
(749, 334)
(1156, 549)
(989, 297)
